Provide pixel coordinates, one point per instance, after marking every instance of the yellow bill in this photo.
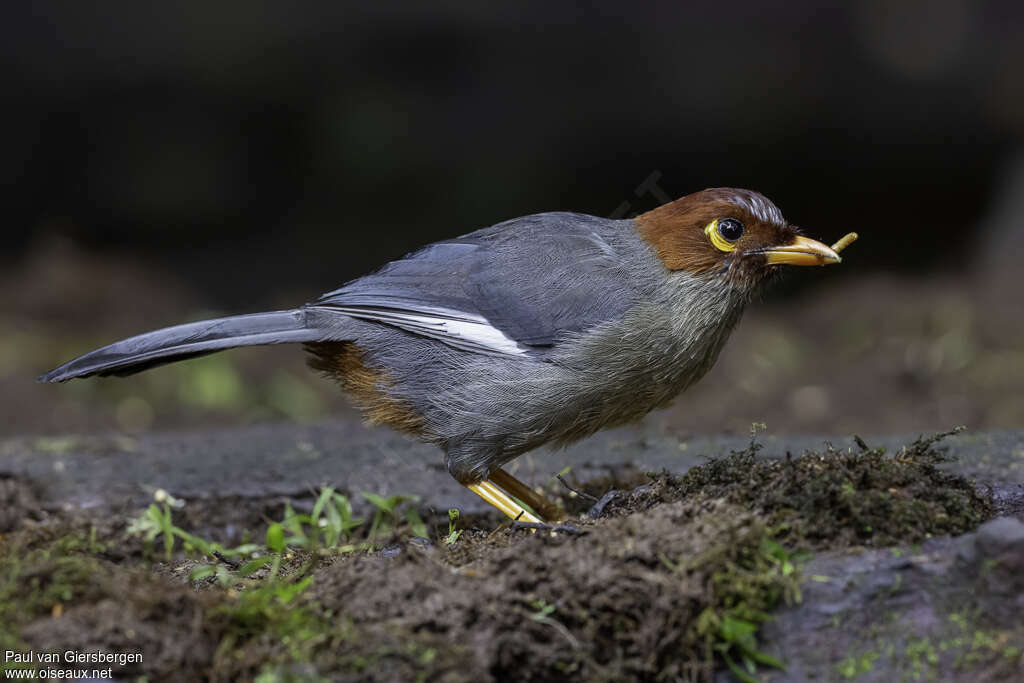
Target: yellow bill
(803, 251)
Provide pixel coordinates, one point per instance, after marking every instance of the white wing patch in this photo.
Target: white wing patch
(467, 331)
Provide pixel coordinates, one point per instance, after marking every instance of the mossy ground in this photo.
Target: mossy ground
(669, 583)
(963, 646)
(836, 498)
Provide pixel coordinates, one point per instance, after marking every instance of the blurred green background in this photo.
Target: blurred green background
(166, 163)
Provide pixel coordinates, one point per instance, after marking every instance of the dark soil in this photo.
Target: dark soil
(670, 582)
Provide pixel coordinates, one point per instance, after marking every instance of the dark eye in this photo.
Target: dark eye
(730, 229)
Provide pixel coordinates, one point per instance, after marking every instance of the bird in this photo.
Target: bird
(542, 329)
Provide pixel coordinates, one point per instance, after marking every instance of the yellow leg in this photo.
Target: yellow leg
(499, 499)
(514, 487)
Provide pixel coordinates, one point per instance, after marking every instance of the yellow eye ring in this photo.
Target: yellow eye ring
(716, 238)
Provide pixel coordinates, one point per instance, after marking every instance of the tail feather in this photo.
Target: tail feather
(171, 344)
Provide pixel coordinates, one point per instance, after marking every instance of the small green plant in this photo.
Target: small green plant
(337, 522)
(227, 576)
(386, 517)
(329, 526)
(764, 576)
(737, 637)
(275, 543)
(157, 520)
(330, 523)
(453, 532)
(544, 610)
(261, 608)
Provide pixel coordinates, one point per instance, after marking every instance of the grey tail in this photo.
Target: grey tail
(171, 344)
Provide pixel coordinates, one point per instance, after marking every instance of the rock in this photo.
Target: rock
(1002, 535)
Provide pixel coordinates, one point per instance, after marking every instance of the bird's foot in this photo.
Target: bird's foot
(501, 500)
(505, 492)
(541, 505)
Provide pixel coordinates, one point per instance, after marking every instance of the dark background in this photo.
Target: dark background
(165, 161)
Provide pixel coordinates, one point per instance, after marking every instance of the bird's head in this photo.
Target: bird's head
(735, 234)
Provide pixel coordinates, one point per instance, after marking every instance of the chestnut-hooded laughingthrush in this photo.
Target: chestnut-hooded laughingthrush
(538, 330)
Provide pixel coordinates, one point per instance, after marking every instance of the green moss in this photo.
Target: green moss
(266, 629)
(922, 658)
(855, 665)
(839, 498)
(39, 577)
(960, 643)
(279, 632)
(975, 646)
(747, 583)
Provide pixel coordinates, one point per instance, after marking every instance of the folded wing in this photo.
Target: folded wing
(515, 289)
